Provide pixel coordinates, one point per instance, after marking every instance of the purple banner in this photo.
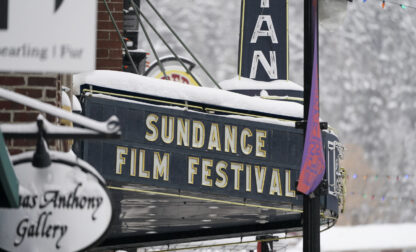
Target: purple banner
(313, 161)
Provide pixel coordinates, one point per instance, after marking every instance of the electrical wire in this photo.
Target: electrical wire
(162, 68)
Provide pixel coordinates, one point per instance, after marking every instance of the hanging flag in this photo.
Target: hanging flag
(313, 162)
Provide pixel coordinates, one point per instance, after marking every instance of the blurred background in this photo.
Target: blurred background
(367, 86)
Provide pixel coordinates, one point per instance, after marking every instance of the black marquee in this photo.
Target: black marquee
(180, 175)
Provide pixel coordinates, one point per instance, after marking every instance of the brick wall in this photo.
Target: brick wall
(109, 46)
(46, 88)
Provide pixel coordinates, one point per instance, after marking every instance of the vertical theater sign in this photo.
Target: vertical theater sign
(263, 40)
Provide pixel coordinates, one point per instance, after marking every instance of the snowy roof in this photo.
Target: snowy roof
(169, 89)
(242, 83)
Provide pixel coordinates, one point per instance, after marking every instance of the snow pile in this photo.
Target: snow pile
(370, 237)
(242, 83)
(374, 237)
(169, 89)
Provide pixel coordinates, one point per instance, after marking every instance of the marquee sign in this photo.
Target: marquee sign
(190, 151)
(174, 148)
(263, 40)
(63, 207)
(177, 174)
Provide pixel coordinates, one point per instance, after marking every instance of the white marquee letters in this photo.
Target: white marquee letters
(270, 32)
(271, 69)
(258, 55)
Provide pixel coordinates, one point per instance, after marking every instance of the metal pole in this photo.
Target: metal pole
(311, 224)
(135, 7)
(121, 38)
(111, 126)
(311, 203)
(166, 44)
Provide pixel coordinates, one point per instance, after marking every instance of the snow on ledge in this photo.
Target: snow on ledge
(163, 88)
(242, 83)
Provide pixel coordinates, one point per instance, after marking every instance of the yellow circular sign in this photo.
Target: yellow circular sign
(178, 76)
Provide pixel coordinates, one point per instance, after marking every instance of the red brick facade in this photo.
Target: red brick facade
(42, 87)
(109, 46)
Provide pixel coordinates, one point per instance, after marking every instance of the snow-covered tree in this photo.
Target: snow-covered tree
(367, 83)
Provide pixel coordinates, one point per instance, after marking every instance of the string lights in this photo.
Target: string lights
(381, 198)
(389, 177)
(381, 177)
(403, 177)
(389, 2)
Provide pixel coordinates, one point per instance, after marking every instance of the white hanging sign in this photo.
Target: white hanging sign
(63, 207)
(48, 36)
